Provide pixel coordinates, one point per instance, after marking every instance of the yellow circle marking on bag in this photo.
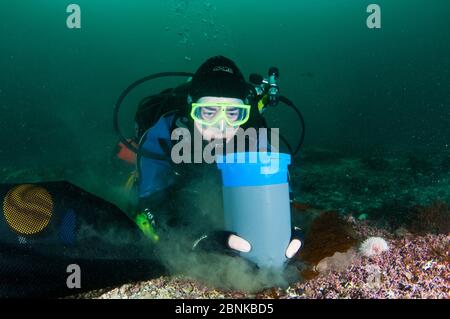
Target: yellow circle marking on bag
(28, 208)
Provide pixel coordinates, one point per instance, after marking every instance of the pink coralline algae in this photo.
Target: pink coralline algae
(413, 267)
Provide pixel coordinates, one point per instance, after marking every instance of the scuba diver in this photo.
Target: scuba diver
(218, 105)
(48, 227)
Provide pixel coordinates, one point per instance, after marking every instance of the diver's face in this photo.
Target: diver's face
(220, 130)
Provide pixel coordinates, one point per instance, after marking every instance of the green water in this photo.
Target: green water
(359, 89)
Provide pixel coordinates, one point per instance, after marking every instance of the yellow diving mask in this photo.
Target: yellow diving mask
(210, 114)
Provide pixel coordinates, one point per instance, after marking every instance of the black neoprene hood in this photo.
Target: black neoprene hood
(218, 76)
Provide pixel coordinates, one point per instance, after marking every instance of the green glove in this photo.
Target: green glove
(146, 224)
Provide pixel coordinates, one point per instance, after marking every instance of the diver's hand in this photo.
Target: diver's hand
(146, 223)
(295, 244)
(231, 243)
(222, 241)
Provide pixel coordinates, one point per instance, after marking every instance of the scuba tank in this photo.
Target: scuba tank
(151, 108)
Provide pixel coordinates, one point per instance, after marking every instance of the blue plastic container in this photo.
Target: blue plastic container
(256, 203)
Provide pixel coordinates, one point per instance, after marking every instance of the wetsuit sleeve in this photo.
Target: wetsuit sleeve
(156, 175)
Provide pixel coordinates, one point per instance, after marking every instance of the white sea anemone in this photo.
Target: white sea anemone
(373, 246)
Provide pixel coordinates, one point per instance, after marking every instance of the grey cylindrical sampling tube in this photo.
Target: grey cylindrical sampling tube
(256, 204)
